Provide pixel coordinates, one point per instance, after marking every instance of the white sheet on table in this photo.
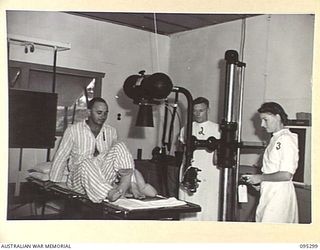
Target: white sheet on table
(133, 204)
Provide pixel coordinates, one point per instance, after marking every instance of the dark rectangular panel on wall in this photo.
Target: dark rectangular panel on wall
(299, 175)
(32, 119)
(304, 155)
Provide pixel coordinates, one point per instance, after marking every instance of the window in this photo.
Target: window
(76, 111)
(74, 88)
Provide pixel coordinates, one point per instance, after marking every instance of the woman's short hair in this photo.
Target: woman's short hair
(200, 100)
(275, 109)
(94, 100)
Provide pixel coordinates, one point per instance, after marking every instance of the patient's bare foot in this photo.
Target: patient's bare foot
(143, 187)
(148, 190)
(135, 191)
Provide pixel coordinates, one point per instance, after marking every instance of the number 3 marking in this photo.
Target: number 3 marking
(278, 145)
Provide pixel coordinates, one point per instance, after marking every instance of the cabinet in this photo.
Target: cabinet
(163, 176)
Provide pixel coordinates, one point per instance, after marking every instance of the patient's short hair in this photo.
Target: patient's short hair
(201, 100)
(94, 100)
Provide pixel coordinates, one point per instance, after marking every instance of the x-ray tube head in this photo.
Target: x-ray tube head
(147, 90)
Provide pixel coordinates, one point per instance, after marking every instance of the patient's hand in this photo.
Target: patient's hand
(125, 180)
(122, 172)
(114, 194)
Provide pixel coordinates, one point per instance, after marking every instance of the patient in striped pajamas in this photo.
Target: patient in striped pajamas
(91, 153)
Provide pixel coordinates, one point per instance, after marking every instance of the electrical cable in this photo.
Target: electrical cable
(164, 133)
(172, 121)
(178, 115)
(55, 54)
(240, 106)
(243, 38)
(266, 61)
(156, 39)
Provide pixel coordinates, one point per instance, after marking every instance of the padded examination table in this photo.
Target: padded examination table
(77, 206)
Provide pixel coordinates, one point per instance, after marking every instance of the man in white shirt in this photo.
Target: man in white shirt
(207, 194)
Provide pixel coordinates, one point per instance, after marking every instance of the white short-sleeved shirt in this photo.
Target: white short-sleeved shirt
(281, 153)
(207, 194)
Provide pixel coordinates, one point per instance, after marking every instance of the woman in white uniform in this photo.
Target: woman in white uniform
(207, 194)
(278, 202)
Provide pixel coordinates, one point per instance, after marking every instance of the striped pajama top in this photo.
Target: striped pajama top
(78, 143)
(89, 174)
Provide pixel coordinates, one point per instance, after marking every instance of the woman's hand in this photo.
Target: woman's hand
(252, 179)
(256, 187)
(273, 177)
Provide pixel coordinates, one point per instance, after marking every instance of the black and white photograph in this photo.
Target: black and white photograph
(174, 118)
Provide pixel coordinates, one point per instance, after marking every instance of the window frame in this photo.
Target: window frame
(26, 67)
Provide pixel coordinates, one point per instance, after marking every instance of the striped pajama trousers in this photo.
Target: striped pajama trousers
(95, 176)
